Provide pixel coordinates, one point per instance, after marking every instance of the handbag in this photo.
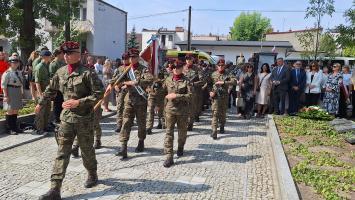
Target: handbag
(258, 88)
(240, 102)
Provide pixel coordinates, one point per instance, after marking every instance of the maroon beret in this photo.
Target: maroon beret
(125, 56)
(70, 46)
(221, 62)
(133, 52)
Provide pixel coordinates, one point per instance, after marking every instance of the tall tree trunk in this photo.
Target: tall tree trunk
(27, 30)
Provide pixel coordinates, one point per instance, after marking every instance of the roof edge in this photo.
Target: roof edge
(112, 6)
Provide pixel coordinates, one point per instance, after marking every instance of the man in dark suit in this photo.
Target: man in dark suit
(280, 78)
(297, 87)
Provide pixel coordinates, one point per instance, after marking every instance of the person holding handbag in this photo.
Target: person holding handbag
(263, 90)
(248, 90)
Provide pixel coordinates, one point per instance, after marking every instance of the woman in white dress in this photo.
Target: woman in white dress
(263, 90)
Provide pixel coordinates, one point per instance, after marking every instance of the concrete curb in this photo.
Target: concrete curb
(104, 115)
(287, 186)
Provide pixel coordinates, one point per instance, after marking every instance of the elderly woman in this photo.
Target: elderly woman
(11, 82)
(248, 90)
(332, 90)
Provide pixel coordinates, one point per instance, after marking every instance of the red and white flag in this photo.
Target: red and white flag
(150, 55)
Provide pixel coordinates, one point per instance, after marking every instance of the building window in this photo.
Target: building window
(170, 38)
(163, 37)
(83, 16)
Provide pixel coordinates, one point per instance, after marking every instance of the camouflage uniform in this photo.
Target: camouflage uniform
(156, 99)
(135, 106)
(220, 100)
(120, 96)
(58, 100)
(84, 85)
(42, 77)
(176, 112)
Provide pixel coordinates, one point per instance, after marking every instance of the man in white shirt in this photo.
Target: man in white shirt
(99, 68)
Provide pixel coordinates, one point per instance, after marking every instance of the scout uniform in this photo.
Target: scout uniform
(11, 81)
(176, 112)
(135, 105)
(220, 99)
(77, 82)
(41, 77)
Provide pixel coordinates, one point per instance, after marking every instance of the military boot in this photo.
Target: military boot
(97, 144)
(221, 129)
(197, 118)
(140, 146)
(8, 124)
(15, 127)
(122, 152)
(75, 151)
(214, 135)
(92, 180)
(149, 131)
(180, 151)
(168, 162)
(189, 127)
(52, 194)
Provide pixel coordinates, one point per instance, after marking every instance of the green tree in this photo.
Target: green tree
(250, 27)
(307, 42)
(317, 9)
(59, 37)
(346, 38)
(18, 20)
(349, 51)
(132, 41)
(328, 45)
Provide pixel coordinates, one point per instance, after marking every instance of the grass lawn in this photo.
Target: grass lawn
(27, 109)
(322, 163)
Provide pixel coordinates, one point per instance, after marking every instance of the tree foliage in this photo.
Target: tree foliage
(346, 37)
(307, 42)
(328, 45)
(250, 27)
(132, 41)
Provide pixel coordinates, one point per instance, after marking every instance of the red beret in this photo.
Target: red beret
(125, 56)
(221, 62)
(178, 64)
(133, 52)
(70, 46)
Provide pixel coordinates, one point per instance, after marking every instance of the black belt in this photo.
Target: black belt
(14, 86)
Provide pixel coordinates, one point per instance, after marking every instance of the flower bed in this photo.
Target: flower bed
(316, 113)
(322, 163)
(27, 109)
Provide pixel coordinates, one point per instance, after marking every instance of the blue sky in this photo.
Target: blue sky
(219, 22)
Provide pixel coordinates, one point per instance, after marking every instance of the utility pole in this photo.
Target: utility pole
(189, 31)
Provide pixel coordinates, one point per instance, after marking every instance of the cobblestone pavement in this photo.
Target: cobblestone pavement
(236, 166)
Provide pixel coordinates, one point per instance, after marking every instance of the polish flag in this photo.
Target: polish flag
(150, 55)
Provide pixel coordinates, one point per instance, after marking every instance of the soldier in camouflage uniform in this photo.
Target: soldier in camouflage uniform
(120, 92)
(156, 100)
(57, 63)
(178, 90)
(191, 72)
(135, 104)
(41, 76)
(81, 89)
(219, 93)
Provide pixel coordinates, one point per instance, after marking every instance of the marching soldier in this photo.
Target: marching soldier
(191, 73)
(81, 89)
(178, 90)
(57, 63)
(219, 94)
(42, 79)
(120, 92)
(156, 100)
(135, 103)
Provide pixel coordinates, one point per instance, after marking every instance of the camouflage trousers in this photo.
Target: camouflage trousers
(66, 135)
(120, 106)
(96, 126)
(155, 102)
(41, 119)
(131, 111)
(219, 110)
(171, 120)
(193, 108)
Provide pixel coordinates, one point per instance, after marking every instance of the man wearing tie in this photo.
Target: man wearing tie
(297, 86)
(280, 78)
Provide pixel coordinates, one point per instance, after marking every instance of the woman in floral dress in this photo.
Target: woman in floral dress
(332, 91)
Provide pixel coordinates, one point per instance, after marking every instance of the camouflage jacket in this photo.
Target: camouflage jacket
(222, 90)
(54, 66)
(182, 89)
(82, 84)
(156, 89)
(195, 78)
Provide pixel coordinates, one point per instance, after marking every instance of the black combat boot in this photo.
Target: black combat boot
(8, 124)
(97, 144)
(168, 162)
(75, 151)
(122, 152)
(221, 129)
(15, 127)
(140, 146)
(12, 125)
(149, 131)
(180, 151)
(52, 194)
(92, 180)
(118, 129)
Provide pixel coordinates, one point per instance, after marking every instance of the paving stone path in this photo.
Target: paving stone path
(239, 165)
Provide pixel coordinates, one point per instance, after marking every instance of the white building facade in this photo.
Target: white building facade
(231, 50)
(168, 38)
